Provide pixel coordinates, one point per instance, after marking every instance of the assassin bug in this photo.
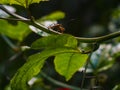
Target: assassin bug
(57, 27)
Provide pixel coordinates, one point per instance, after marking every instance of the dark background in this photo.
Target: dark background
(81, 15)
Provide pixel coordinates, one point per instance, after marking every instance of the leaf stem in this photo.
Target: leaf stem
(84, 72)
(50, 31)
(59, 83)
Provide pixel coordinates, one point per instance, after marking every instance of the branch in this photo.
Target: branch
(14, 19)
(50, 31)
(81, 39)
(59, 83)
(12, 14)
(99, 39)
(28, 21)
(84, 72)
(43, 28)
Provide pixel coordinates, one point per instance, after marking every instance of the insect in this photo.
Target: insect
(57, 27)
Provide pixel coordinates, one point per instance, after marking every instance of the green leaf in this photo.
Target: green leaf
(53, 16)
(24, 3)
(33, 66)
(67, 64)
(53, 41)
(18, 32)
(117, 87)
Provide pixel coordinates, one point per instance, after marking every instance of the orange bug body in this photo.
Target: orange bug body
(57, 27)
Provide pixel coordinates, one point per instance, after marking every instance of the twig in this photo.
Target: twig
(84, 72)
(12, 58)
(30, 22)
(43, 28)
(12, 14)
(99, 39)
(14, 19)
(59, 83)
(80, 39)
(8, 63)
(50, 31)
(14, 47)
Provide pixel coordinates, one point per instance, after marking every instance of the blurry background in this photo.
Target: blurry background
(88, 18)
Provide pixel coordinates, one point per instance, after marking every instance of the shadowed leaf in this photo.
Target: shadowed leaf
(18, 32)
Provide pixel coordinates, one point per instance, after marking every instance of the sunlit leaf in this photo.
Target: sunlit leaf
(53, 16)
(33, 66)
(53, 41)
(24, 3)
(18, 31)
(67, 64)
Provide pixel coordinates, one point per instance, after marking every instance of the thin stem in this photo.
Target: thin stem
(50, 31)
(81, 39)
(12, 58)
(14, 19)
(14, 47)
(84, 72)
(43, 28)
(59, 83)
(12, 14)
(99, 39)
(29, 13)
(30, 22)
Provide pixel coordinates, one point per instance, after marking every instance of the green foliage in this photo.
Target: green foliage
(67, 64)
(68, 58)
(117, 87)
(24, 3)
(55, 41)
(33, 66)
(65, 48)
(53, 16)
(18, 32)
(116, 13)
